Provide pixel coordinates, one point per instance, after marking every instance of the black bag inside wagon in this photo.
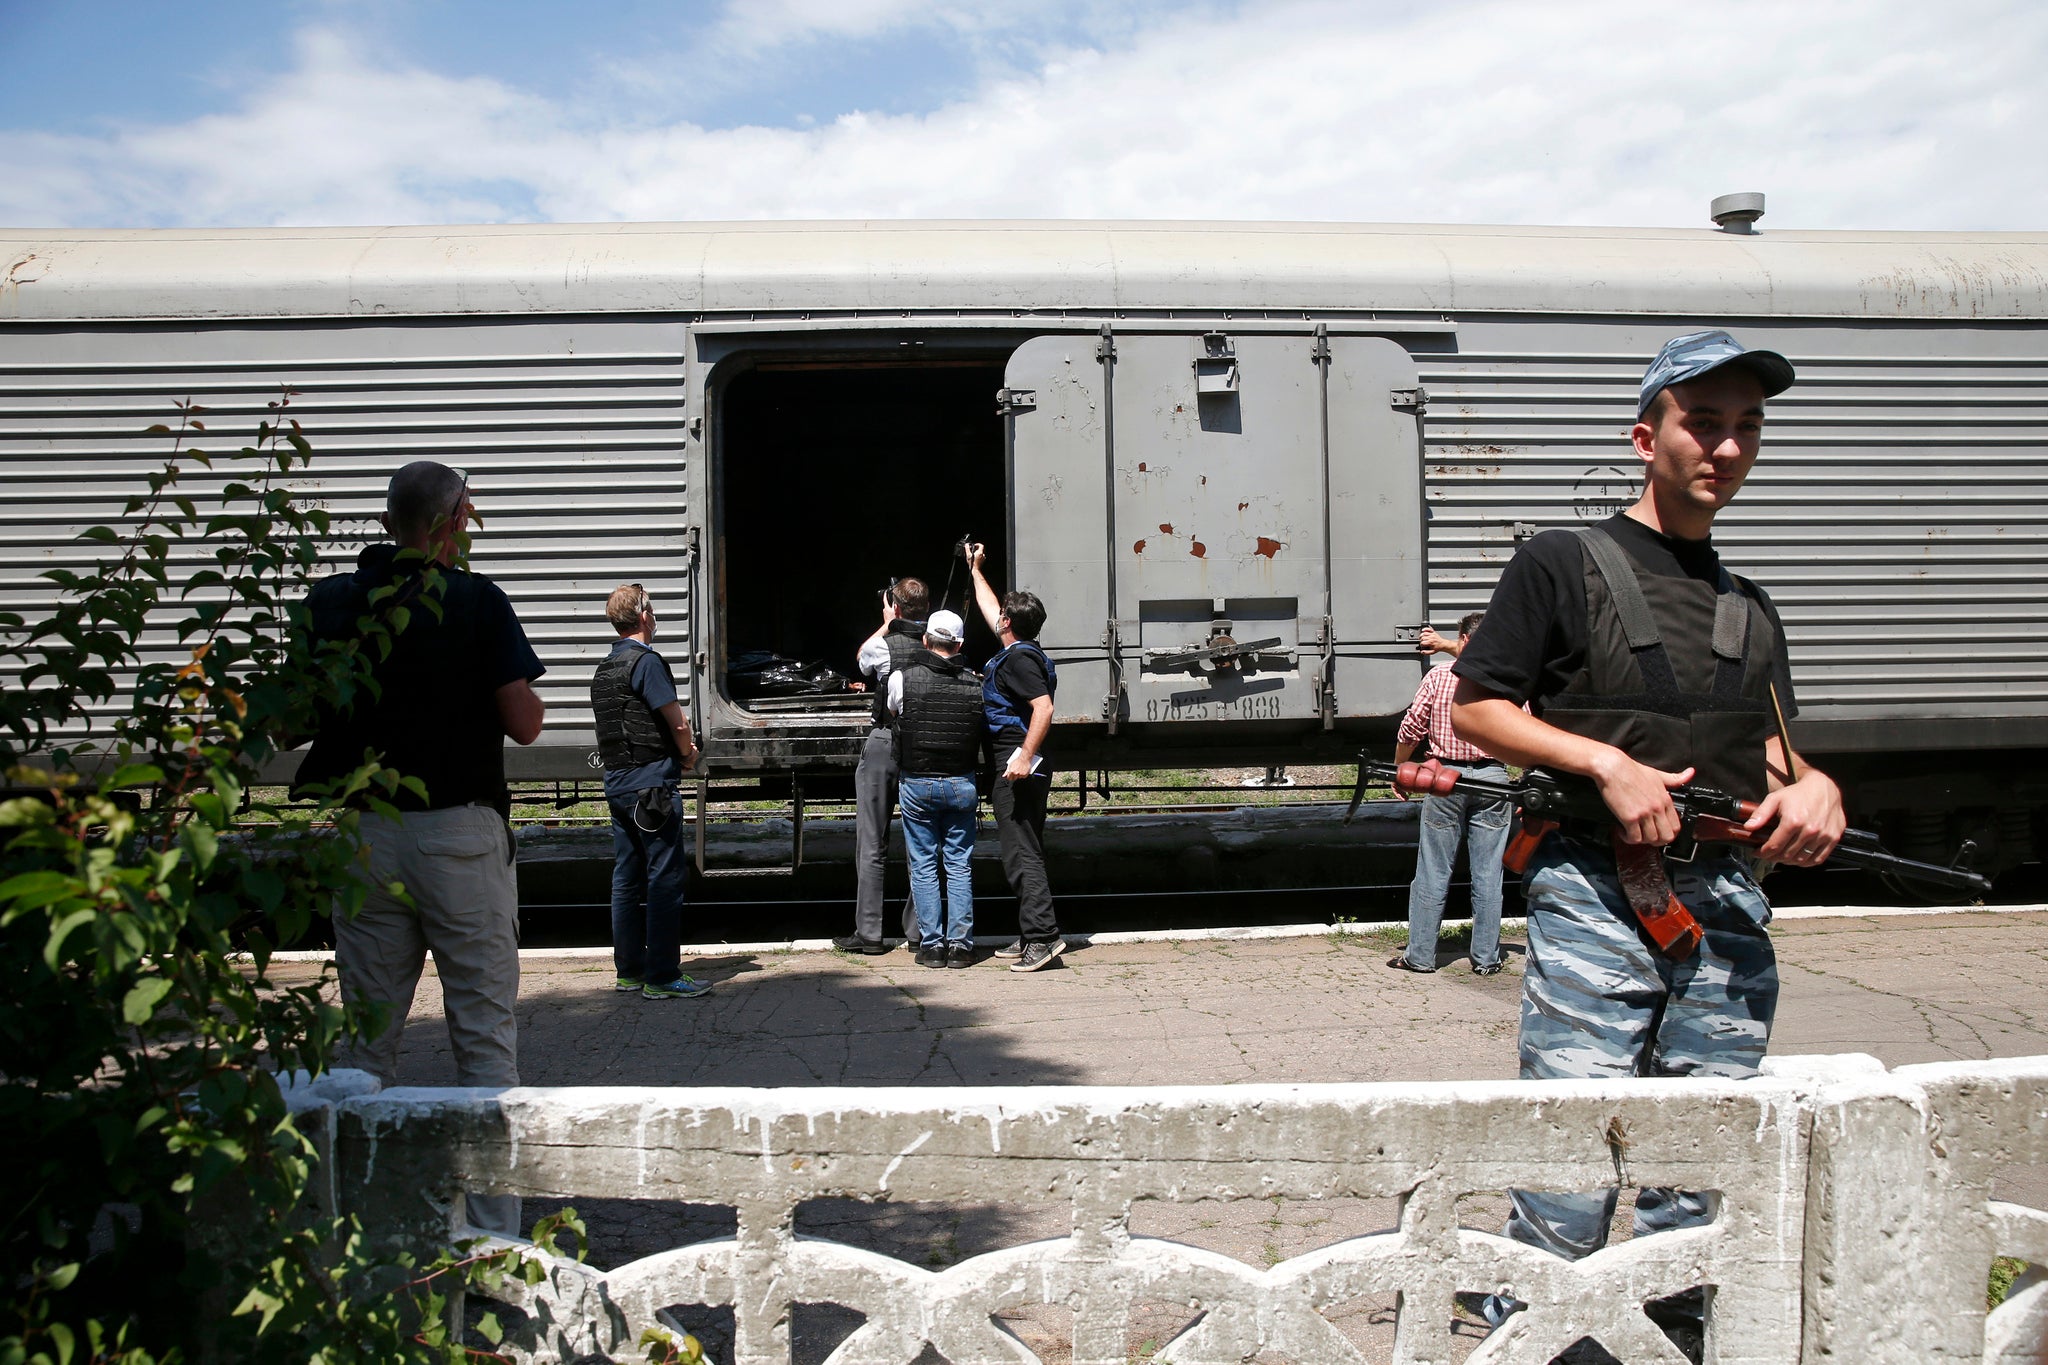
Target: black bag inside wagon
(763, 673)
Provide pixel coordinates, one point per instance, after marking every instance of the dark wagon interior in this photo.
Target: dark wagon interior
(835, 476)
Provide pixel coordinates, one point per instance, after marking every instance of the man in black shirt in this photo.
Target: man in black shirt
(1645, 666)
(1017, 690)
(456, 682)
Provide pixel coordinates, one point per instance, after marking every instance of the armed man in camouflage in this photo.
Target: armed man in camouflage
(1646, 666)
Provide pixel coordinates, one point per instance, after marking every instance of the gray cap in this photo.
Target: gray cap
(1695, 353)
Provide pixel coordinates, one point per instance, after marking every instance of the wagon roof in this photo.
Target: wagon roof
(50, 275)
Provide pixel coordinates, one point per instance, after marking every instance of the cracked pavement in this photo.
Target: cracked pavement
(1907, 989)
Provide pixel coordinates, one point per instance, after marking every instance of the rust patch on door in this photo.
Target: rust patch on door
(1141, 466)
(1268, 546)
(1165, 528)
(1198, 550)
(1138, 548)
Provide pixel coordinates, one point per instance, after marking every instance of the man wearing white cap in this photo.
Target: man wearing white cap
(1647, 665)
(937, 702)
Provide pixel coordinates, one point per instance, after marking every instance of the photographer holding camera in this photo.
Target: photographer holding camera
(905, 604)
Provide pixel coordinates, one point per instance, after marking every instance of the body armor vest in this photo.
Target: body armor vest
(1000, 712)
(628, 733)
(905, 640)
(939, 732)
(1677, 673)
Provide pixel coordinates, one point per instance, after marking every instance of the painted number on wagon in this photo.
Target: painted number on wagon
(1199, 706)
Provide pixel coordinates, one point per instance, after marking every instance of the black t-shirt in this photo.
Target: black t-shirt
(436, 717)
(1021, 677)
(1533, 640)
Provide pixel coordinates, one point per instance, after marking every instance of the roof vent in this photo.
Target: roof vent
(1737, 212)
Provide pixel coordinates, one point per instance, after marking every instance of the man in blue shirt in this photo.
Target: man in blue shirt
(646, 744)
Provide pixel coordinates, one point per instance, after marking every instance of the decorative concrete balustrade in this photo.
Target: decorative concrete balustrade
(1855, 1221)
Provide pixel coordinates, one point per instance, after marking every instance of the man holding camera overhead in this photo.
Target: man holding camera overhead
(905, 604)
(1017, 691)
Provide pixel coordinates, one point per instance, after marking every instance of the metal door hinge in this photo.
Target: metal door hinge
(1216, 367)
(1010, 402)
(1409, 400)
(1105, 349)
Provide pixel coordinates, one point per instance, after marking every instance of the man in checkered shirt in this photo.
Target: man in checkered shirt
(1482, 823)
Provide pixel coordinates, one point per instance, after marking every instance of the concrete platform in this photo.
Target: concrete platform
(1906, 987)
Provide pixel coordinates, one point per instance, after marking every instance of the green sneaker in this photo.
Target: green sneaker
(627, 983)
(682, 988)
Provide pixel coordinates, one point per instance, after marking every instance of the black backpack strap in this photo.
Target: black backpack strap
(1731, 635)
(1637, 624)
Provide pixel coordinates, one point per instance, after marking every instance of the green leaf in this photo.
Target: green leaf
(487, 1328)
(53, 949)
(204, 844)
(141, 1000)
(60, 1337)
(135, 775)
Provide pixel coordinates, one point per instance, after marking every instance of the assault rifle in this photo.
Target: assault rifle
(1705, 816)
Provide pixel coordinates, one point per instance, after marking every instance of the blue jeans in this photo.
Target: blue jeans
(648, 868)
(1444, 820)
(938, 824)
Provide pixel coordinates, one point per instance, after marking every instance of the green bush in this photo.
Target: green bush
(153, 1182)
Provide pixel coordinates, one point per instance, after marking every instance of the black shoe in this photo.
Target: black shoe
(854, 943)
(1400, 963)
(959, 955)
(1487, 970)
(1038, 956)
(1682, 1317)
(931, 957)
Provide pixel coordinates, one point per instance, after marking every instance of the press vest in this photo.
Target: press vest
(938, 733)
(629, 734)
(999, 712)
(432, 716)
(1677, 673)
(905, 640)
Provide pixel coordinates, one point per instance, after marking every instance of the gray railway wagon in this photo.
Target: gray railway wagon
(1239, 462)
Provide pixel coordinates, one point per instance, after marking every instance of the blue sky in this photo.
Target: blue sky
(1847, 113)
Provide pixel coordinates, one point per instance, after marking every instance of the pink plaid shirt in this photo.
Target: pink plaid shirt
(1430, 714)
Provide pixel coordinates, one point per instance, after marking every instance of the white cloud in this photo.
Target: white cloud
(1849, 114)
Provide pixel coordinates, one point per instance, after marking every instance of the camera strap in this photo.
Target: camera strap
(655, 804)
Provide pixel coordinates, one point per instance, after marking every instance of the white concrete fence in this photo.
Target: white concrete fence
(1855, 1223)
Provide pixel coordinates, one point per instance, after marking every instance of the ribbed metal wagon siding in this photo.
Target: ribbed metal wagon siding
(572, 433)
(1898, 515)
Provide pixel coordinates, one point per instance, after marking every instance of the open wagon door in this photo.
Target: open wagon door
(1222, 527)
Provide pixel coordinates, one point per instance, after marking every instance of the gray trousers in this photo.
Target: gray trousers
(456, 865)
(874, 804)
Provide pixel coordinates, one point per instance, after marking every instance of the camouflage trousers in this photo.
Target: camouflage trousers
(1598, 1000)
